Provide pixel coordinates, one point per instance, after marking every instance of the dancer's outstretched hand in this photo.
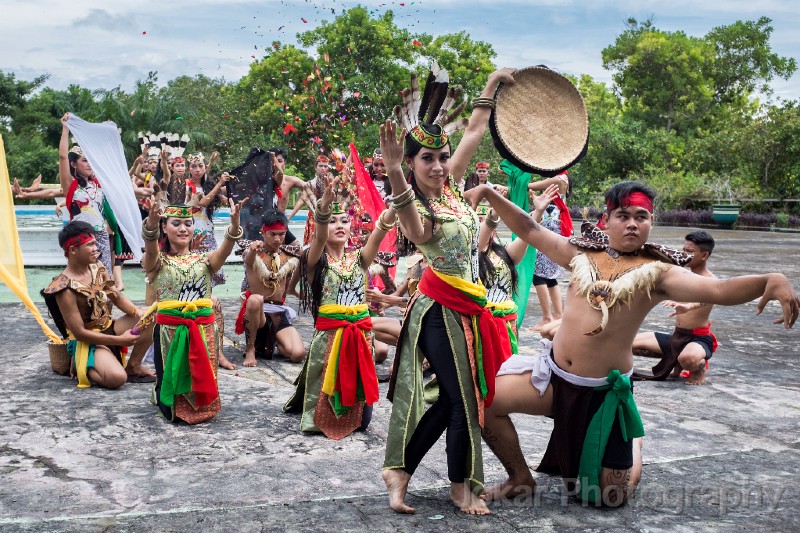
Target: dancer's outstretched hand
(154, 214)
(236, 211)
(391, 144)
(330, 194)
(541, 201)
(780, 288)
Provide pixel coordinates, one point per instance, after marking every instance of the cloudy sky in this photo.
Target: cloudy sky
(105, 44)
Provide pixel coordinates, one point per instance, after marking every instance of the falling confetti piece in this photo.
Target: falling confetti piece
(133, 112)
(304, 20)
(144, 33)
(289, 129)
(416, 43)
(356, 94)
(178, 118)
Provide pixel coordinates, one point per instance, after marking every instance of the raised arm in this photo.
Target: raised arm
(165, 165)
(217, 258)
(685, 286)
(544, 184)
(477, 124)
(392, 150)
(150, 234)
(64, 175)
(317, 246)
(518, 221)
(208, 198)
(385, 223)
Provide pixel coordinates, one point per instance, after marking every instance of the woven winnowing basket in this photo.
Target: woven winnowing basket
(540, 122)
(60, 360)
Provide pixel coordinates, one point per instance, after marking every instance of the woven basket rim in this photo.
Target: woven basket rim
(519, 146)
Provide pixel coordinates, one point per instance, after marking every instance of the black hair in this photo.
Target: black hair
(72, 157)
(278, 151)
(616, 194)
(73, 229)
(471, 182)
(486, 268)
(311, 292)
(274, 216)
(412, 148)
(702, 239)
(163, 241)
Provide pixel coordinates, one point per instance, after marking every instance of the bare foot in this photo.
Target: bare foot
(509, 489)
(139, 370)
(697, 377)
(224, 363)
(466, 500)
(541, 324)
(250, 358)
(397, 485)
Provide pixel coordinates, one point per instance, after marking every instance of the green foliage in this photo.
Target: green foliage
(682, 113)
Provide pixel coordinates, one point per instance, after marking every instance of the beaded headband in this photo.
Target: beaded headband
(482, 210)
(178, 211)
(77, 240)
(428, 139)
(76, 150)
(336, 209)
(197, 157)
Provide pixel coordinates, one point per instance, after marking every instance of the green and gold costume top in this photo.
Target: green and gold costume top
(453, 248)
(345, 281)
(498, 282)
(185, 277)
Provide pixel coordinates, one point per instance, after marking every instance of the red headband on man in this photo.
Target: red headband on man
(481, 164)
(634, 199)
(275, 226)
(76, 241)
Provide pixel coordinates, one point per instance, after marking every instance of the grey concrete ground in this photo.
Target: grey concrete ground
(724, 456)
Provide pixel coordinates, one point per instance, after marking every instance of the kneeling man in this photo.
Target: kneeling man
(582, 381)
(80, 301)
(264, 319)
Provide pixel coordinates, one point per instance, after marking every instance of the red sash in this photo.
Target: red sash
(493, 350)
(204, 386)
(355, 359)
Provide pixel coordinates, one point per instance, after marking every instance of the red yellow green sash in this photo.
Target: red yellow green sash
(469, 299)
(350, 374)
(188, 367)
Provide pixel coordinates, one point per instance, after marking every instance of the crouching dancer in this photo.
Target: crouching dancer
(582, 381)
(80, 300)
(264, 319)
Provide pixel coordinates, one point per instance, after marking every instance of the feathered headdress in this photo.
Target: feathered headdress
(440, 104)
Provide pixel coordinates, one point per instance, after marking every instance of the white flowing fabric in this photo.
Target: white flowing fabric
(102, 146)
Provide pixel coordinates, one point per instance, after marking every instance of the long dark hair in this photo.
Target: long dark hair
(486, 268)
(311, 292)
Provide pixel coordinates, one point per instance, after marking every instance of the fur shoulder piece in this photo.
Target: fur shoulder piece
(593, 238)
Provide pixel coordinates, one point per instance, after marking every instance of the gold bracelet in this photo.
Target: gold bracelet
(483, 102)
(148, 234)
(384, 226)
(403, 199)
(408, 191)
(398, 206)
(231, 237)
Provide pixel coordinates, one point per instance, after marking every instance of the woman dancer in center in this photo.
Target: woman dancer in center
(338, 385)
(186, 338)
(449, 311)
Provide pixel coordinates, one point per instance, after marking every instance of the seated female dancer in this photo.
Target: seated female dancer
(186, 339)
(449, 315)
(337, 386)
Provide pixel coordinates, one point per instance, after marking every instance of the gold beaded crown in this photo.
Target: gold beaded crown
(482, 210)
(178, 211)
(336, 209)
(440, 104)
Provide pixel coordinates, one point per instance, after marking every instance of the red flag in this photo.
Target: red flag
(372, 203)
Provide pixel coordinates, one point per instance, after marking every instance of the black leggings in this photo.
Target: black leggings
(448, 412)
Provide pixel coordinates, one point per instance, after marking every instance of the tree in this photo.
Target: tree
(663, 76)
(745, 62)
(14, 94)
